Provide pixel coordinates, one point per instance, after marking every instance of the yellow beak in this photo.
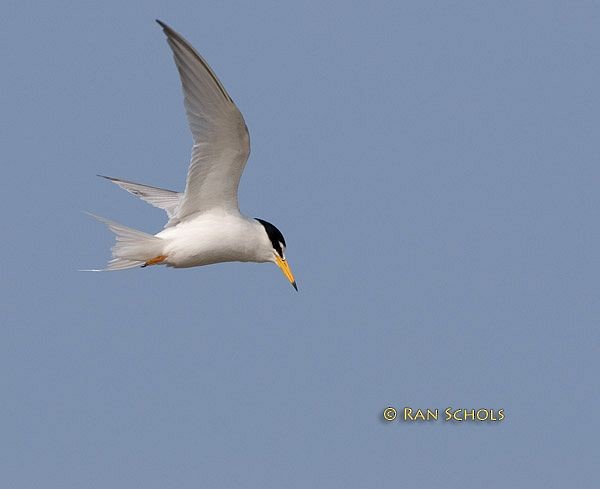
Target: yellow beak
(285, 268)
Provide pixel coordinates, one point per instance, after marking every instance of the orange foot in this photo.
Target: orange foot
(155, 260)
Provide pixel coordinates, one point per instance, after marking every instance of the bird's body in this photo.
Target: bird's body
(205, 224)
(216, 236)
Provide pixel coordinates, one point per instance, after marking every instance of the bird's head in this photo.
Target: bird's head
(278, 250)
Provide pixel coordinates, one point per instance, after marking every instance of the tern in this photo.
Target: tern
(205, 224)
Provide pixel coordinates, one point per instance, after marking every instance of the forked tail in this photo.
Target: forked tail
(132, 248)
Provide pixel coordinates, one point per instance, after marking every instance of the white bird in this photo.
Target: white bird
(205, 224)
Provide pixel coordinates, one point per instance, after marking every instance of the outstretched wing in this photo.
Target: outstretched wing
(221, 140)
(168, 200)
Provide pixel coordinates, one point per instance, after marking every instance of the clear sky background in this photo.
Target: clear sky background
(434, 167)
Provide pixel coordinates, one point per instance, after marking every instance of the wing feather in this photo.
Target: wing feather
(221, 141)
(168, 200)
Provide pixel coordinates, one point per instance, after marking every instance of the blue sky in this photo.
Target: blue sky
(434, 169)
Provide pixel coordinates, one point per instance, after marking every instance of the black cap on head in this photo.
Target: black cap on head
(274, 235)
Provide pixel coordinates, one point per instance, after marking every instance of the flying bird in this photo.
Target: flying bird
(205, 225)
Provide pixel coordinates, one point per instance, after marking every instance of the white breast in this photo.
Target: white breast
(215, 237)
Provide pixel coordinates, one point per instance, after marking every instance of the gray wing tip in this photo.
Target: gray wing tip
(177, 42)
(172, 34)
(168, 30)
(112, 179)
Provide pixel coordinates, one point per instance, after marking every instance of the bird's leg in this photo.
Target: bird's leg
(155, 261)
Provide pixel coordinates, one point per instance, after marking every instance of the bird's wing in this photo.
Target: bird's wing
(168, 200)
(221, 140)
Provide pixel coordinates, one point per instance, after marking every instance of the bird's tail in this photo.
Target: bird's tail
(132, 248)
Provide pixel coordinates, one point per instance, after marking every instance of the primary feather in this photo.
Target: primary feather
(221, 141)
(168, 200)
